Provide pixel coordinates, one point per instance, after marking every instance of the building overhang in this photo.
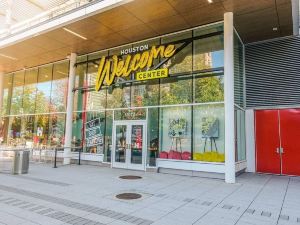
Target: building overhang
(136, 20)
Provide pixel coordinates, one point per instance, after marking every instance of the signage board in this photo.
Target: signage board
(152, 74)
(115, 66)
(93, 134)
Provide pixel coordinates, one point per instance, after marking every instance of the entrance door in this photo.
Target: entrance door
(129, 145)
(278, 141)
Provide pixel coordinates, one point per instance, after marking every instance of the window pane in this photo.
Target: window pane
(14, 131)
(4, 130)
(238, 71)
(182, 61)
(77, 129)
(145, 95)
(95, 100)
(209, 133)
(153, 138)
(108, 136)
(27, 130)
(57, 129)
(209, 89)
(209, 51)
(176, 90)
(17, 94)
(118, 97)
(41, 130)
(240, 135)
(99, 118)
(29, 97)
(80, 82)
(59, 87)
(175, 132)
(44, 89)
(7, 89)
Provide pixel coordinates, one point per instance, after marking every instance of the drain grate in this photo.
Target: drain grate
(128, 196)
(130, 177)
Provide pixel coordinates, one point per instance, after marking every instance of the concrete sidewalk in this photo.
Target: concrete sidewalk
(86, 195)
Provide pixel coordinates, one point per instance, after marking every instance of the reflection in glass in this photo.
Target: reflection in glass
(121, 142)
(146, 94)
(29, 96)
(27, 130)
(137, 144)
(44, 89)
(59, 86)
(41, 130)
(14, 131)
(152, 138)
(7, 91)
(57, 129)
(175, 132)
(240, 148)
(209, 133)
(208, 89)
(176, 90)
(17, 94)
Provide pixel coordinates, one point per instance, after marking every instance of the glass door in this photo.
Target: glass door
(129, 145)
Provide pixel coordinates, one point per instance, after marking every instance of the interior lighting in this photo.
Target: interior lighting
(74, 33)
(9, 57)
(210, 1)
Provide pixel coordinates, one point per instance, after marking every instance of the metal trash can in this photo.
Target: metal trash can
(25, 161)
(20, 162)
(16, 167)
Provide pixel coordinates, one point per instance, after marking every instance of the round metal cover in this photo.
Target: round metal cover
(128, 196)
(130, 177)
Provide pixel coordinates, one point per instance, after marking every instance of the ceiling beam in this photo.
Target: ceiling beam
(33, 2)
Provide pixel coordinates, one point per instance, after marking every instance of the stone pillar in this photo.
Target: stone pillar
(229, 98)
(69, 117)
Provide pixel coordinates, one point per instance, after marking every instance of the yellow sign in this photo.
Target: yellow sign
(118, 67)
(152, 74)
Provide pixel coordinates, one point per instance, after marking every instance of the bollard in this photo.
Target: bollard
(79, 156)
(55, 156)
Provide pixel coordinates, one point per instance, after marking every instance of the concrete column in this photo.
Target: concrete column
(229, 98)
(69, 117)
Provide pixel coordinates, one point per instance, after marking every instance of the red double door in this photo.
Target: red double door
(278, 141)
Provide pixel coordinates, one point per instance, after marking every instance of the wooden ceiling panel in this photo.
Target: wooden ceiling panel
(204, 15)
(164, 26)
(150, 10)
(247, 6)
(141, 19)
(138, 32)
(117, 19)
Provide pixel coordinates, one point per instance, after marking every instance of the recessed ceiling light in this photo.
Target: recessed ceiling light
(275, 28)
(210, 1)
(9, 57)
(74, 33)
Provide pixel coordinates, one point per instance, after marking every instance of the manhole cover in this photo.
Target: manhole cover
(128, 196)
(130, 177)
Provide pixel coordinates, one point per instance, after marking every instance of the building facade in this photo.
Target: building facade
(175, 102)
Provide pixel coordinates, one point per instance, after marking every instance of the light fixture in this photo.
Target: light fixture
(275, 28)
(74, 33)
(9, 57)
(210, 1)
(63, 73)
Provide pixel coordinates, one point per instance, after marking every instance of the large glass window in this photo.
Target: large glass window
(17, 94)
(29, 97)
(7, 89)
(43, 95)
(59, 87)
(176, 132)
(209, 133)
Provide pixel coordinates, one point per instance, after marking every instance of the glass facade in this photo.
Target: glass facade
(34, 106)
(184, 112)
